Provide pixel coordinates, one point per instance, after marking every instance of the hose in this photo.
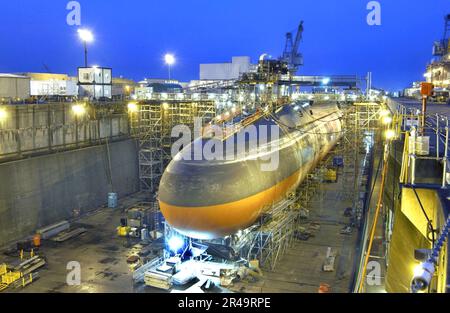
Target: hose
(375, 220)
(440, 242)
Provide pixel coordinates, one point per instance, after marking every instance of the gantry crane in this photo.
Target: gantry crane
(291, 55)
(441, 48)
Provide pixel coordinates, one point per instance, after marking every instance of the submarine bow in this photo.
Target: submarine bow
(206, 199)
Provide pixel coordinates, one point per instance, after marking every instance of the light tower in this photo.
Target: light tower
(86, 36)
(170, 60)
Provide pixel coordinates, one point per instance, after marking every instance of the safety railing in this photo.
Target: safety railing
(417, 139)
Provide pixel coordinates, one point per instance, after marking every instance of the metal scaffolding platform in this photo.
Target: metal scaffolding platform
(153, 126)
(361, 121)
(276, 230)
(276, 233)
(269, 238)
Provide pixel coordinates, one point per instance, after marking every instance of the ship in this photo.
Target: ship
(205, 198)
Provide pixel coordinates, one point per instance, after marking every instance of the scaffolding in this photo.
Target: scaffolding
(275, 233)
(362, 133)
(276, 230)
(153, 127)
(360, 123)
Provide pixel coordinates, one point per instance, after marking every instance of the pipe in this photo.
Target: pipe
(424, 111)
(444, 161)
(413, 156)
(377, 213)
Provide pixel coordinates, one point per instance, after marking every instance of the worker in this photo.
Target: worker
(37, 240)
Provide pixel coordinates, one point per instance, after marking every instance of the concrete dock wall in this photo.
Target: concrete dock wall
(44, 128)
(42, 190)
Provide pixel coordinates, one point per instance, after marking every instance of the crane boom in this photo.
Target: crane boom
(441, 48)
(291, 55)
(298, 38)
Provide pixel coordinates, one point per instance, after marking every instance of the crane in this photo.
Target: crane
(440, 48)
(46, 68)
(291, 55)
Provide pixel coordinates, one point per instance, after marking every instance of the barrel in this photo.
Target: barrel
(112, 200)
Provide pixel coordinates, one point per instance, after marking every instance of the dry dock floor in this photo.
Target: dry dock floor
(300, 269)
(102, 254)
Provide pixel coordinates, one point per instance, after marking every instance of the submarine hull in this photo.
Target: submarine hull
(206, 199)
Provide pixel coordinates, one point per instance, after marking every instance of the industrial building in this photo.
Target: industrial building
(49, 85)
(62, 87)
(14, 87)
(438, 71)
(123, 88)
(95, 82)
(255, 178)
(226, 71)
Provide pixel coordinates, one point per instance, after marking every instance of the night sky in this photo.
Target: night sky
(132, 36)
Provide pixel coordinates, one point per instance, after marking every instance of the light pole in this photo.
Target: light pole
(170, 60)
(86, 36)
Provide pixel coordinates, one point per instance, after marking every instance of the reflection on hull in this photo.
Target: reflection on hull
(210, 199)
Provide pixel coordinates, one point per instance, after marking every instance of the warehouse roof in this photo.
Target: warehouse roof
(5, 75)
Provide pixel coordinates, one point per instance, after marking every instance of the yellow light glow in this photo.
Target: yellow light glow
(233, 110)
(165, 105)
(387, 120)
(3, 114)
(418, 270)
(384, 113)
(390, 134)
(78, 109)
(132, 107)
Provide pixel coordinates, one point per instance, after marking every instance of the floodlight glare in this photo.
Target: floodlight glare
(3, 114)
(132, 107)
(169, 59)
(86, 35)
(390, 134)
(387, 120)
(175, 244)
(78, 109)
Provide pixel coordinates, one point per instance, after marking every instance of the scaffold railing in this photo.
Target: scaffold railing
(153, 124)
(421, 142)
(275, 233)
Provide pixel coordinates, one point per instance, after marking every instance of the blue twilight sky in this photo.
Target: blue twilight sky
(132, 36)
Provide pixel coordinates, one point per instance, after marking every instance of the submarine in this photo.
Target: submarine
(206, 198)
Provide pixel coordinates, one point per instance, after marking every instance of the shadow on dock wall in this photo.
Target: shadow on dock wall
(407, 226)
(43, 190)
